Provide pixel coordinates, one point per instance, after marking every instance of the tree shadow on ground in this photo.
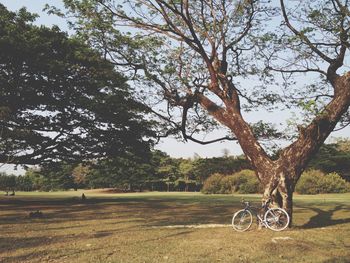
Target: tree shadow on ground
(323, 218)
(123, 215)
(147, 212)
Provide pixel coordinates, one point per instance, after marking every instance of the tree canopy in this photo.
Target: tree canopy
(61, 100)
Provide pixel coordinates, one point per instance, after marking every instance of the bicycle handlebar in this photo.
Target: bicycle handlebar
(264, 204)
(246, 203)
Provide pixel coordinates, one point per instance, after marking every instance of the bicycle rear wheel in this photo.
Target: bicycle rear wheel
(242, 220)
(277, 219)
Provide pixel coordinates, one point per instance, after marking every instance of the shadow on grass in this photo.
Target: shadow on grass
(147, 212)
(24, 242)
(323, 218)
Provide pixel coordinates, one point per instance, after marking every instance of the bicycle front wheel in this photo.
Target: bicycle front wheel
(276, 219)
(242, 220)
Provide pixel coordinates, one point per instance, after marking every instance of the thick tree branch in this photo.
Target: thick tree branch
(311, 137)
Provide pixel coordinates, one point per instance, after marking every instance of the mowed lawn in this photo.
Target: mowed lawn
(141, 227)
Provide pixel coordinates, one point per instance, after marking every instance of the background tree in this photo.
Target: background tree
(38, 180)
(80, 173)
(127, 172)
(186, 181)
(58, 176)
(23, 183)
(7, 182)
(205, 167)
(169, 170)
(60, 100)
(101, 176)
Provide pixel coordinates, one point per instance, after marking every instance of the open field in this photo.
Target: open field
(134, 228)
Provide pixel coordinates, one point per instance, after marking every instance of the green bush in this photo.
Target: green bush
(212, 184)
(247, 182)
(308, 183)
(227, 185)
(250, 187)
(244, 182)
(316, 182)
(334, 183)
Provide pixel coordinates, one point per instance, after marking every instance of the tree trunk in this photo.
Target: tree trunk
(286, 188)
(288, 205)
(279, 185)
(284, 199)
(277, 198)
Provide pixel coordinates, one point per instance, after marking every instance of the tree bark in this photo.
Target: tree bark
(277, 198)
(286, 189)
(282, 194)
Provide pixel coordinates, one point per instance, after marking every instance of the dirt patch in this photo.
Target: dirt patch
(195, 226)
(278, 239)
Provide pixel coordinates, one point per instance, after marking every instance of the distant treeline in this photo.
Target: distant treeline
(160, 172)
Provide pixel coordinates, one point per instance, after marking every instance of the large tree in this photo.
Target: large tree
(60, 99)
(214, 60)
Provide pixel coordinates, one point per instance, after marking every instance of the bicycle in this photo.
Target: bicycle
(276, 219)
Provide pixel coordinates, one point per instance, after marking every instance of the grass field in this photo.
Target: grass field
(135, 228)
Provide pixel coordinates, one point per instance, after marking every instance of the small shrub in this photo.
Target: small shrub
(248, 183)
(308, 182)
(212, 184)
(244, 182)
(316, 182)
(228, 184)
(252, 186)
(333, 183)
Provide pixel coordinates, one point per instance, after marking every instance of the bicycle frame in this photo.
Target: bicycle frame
(254, 211)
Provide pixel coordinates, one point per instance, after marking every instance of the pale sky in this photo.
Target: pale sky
(171, 146)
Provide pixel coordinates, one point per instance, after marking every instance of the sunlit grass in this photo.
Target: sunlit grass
(130, 228)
